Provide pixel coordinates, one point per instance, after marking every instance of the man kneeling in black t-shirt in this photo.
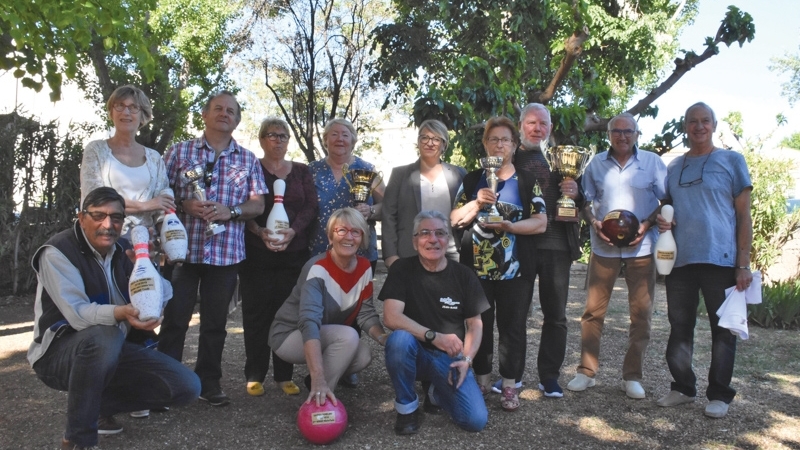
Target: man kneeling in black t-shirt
(437, 326)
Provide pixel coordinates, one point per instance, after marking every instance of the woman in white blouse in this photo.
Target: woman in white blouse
(135, 171)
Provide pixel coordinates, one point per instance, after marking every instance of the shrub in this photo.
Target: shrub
(780, 306)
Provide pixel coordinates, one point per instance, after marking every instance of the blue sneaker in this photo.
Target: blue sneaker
(551, 388)
(497, 388)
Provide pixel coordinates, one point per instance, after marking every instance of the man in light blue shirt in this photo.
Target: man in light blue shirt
(622, 178)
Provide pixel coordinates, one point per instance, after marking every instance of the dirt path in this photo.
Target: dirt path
(764, 414)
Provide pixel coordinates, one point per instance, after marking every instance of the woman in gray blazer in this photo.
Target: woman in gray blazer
(427, 184)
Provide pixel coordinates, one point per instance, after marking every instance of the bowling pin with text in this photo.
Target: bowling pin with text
(145, 282)
(173, 238)
(666, 250)
(277, 219)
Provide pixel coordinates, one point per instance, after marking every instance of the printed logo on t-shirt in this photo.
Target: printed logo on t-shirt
(449, 303)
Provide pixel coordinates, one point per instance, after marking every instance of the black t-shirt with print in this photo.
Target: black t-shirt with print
(440, 301)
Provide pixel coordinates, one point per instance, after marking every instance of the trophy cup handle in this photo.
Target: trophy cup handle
(345, 168)
(378, 180)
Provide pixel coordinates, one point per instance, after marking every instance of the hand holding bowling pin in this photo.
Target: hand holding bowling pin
(665, 250)
(278, 221)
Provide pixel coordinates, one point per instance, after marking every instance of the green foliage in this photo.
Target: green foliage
(464, 62)
(789, 64)
(40, 167)
(779, 307)
(43, 40)
(792, 141)
(772, 226)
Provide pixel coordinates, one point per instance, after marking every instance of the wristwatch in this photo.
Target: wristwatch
(430, 335)
(235, 212)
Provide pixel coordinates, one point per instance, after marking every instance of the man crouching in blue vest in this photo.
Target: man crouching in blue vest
(82, 318)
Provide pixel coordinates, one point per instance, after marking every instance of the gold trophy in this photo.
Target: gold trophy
(569, 161)
(491, 164)
(195, 176)
(363, 179)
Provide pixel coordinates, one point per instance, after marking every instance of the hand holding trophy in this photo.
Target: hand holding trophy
(569, 161)
(363, 182)
(195, 177)
(491, 164)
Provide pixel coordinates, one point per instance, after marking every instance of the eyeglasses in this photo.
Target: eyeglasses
(627, 133)
(426, 139)
(278, 137)
(502, 141)
(439, 233)
(681, 183)
(134, 109)
(355, 232)
(99, 216)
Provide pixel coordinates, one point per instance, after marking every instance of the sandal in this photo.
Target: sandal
(509, 399)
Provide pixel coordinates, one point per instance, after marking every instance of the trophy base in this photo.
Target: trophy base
(214, 229)
(567, 215)
(486, 218)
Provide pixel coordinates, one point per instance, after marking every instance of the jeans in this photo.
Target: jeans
(217, 284)
(104, 375)
(552, 267)
(407, 361)
(264, 288)
(683, 285)
(510, 301)
(640, 276)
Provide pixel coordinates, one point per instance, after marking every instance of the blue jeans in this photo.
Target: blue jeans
(683, 286)
(104, 375)
(217, 284)
(408, 361)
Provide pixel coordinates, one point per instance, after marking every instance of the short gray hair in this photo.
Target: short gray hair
(344, 122)
(700, 105)
(430, 214)
(624, 115)
(534, 107)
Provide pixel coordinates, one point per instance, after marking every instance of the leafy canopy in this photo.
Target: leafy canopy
(43, 40)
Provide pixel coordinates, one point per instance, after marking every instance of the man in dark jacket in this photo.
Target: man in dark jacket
(82, 318)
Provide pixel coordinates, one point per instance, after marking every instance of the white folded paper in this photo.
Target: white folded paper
(733, 312)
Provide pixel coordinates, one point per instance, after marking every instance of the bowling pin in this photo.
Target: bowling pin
(173, 238)
(666, 250)
(277, 219)
(145, 282)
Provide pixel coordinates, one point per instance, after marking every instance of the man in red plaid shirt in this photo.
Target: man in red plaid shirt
(234, 188)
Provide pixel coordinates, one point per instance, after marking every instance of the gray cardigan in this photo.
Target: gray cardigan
(400, 206)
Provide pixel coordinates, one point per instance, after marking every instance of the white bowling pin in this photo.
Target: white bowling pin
(144, 285)
(666, 250)
(173, 238)
(277, 219)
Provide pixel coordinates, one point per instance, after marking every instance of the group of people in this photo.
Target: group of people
(307, 291)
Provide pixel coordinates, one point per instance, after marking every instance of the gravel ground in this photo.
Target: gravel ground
(764, 414)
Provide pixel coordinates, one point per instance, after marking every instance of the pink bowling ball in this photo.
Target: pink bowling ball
(322, 424)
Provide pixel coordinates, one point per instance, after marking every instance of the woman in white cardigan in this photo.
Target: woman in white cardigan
(135, 171)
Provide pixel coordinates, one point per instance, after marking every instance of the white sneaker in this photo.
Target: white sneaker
(580, 383)
(633, 389)
(674, 398)
(716, 409)
(143, 414)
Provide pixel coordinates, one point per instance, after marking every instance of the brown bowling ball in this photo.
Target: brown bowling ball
(620, 226)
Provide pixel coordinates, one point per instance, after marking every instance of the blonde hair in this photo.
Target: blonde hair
(354, 219)
(346, 123)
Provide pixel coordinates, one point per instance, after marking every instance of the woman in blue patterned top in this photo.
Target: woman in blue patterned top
(339, 138)
(491, 250)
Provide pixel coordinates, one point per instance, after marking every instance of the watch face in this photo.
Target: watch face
(430, 335)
